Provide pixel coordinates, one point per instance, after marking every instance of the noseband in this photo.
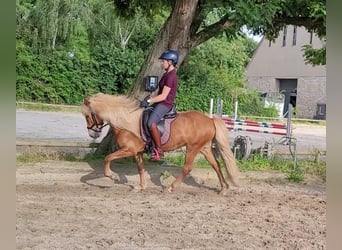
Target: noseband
(96, 125)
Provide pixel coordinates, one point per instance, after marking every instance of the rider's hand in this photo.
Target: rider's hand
(144, 103)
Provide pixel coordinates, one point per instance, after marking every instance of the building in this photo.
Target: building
(279, 67)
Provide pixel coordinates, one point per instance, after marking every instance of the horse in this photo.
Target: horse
(191, 129)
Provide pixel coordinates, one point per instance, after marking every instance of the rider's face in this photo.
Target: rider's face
(165, 64)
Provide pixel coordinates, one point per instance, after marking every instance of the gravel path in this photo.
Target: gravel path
(34, 125)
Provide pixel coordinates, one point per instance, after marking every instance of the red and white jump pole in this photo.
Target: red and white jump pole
(250, 126)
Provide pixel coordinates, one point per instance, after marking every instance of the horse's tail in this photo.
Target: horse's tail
(222, 143)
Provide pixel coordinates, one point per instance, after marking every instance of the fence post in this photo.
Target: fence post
(236, 109)
(291, 141)
(219, 107)
(211, 107)
(288, 122)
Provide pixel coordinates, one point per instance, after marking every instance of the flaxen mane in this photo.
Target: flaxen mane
(120, 111)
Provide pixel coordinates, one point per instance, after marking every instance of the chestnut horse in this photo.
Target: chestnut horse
(192, 129)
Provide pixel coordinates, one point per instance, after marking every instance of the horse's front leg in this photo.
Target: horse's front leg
(140, 164)
(129, 145)
(121, 153)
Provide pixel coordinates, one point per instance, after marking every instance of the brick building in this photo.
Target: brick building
(279, 67)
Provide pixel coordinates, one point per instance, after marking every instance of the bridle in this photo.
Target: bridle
(96, 125)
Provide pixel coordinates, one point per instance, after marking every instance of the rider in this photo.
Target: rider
(164, 100)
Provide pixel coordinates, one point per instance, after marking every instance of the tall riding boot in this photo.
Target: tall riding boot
(158, 152)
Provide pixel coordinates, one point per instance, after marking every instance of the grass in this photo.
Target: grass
(38, 154)
(31, 106)
(177, 159)
(303, 168)
(295, 173)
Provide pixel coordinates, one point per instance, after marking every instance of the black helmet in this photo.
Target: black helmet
(170, 55)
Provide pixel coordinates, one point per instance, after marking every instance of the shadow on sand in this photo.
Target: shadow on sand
(126, 173)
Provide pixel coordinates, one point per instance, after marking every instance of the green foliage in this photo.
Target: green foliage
(255, 163)
(66, 50)
(116, 68)
(261, 163)
(52, 78)
(295, 175)
(174, 159)
(314, 56)
(165, 175)
(128, 9)
(313, 168)
(85, 56)
(38, 154)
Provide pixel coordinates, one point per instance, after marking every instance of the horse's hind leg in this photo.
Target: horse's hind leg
(189, 160)
(208, 154)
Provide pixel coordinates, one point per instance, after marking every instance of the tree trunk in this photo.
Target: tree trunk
(175, 35)
(184, 21)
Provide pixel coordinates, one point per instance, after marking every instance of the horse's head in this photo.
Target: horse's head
(94, 122)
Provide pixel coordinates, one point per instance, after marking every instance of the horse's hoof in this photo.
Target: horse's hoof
(110, 176)
(223, 192)
(138, 188)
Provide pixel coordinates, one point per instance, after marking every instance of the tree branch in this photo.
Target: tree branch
(199, 17)
(211, 31)
(307, 22)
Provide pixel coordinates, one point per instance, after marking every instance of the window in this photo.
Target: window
(284, 37)
(294, 39)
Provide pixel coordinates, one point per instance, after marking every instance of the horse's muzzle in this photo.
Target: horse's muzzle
(94, 134)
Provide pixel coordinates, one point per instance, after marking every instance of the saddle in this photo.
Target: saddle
(163, 126)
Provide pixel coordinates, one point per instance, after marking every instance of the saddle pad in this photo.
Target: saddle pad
(166, 133)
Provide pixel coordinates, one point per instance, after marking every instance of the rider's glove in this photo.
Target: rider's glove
(144, 103)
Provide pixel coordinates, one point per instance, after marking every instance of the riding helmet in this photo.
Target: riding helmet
(170, 55)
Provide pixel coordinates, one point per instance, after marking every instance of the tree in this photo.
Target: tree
(52, 23)
(188, 24)
(191, 23)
